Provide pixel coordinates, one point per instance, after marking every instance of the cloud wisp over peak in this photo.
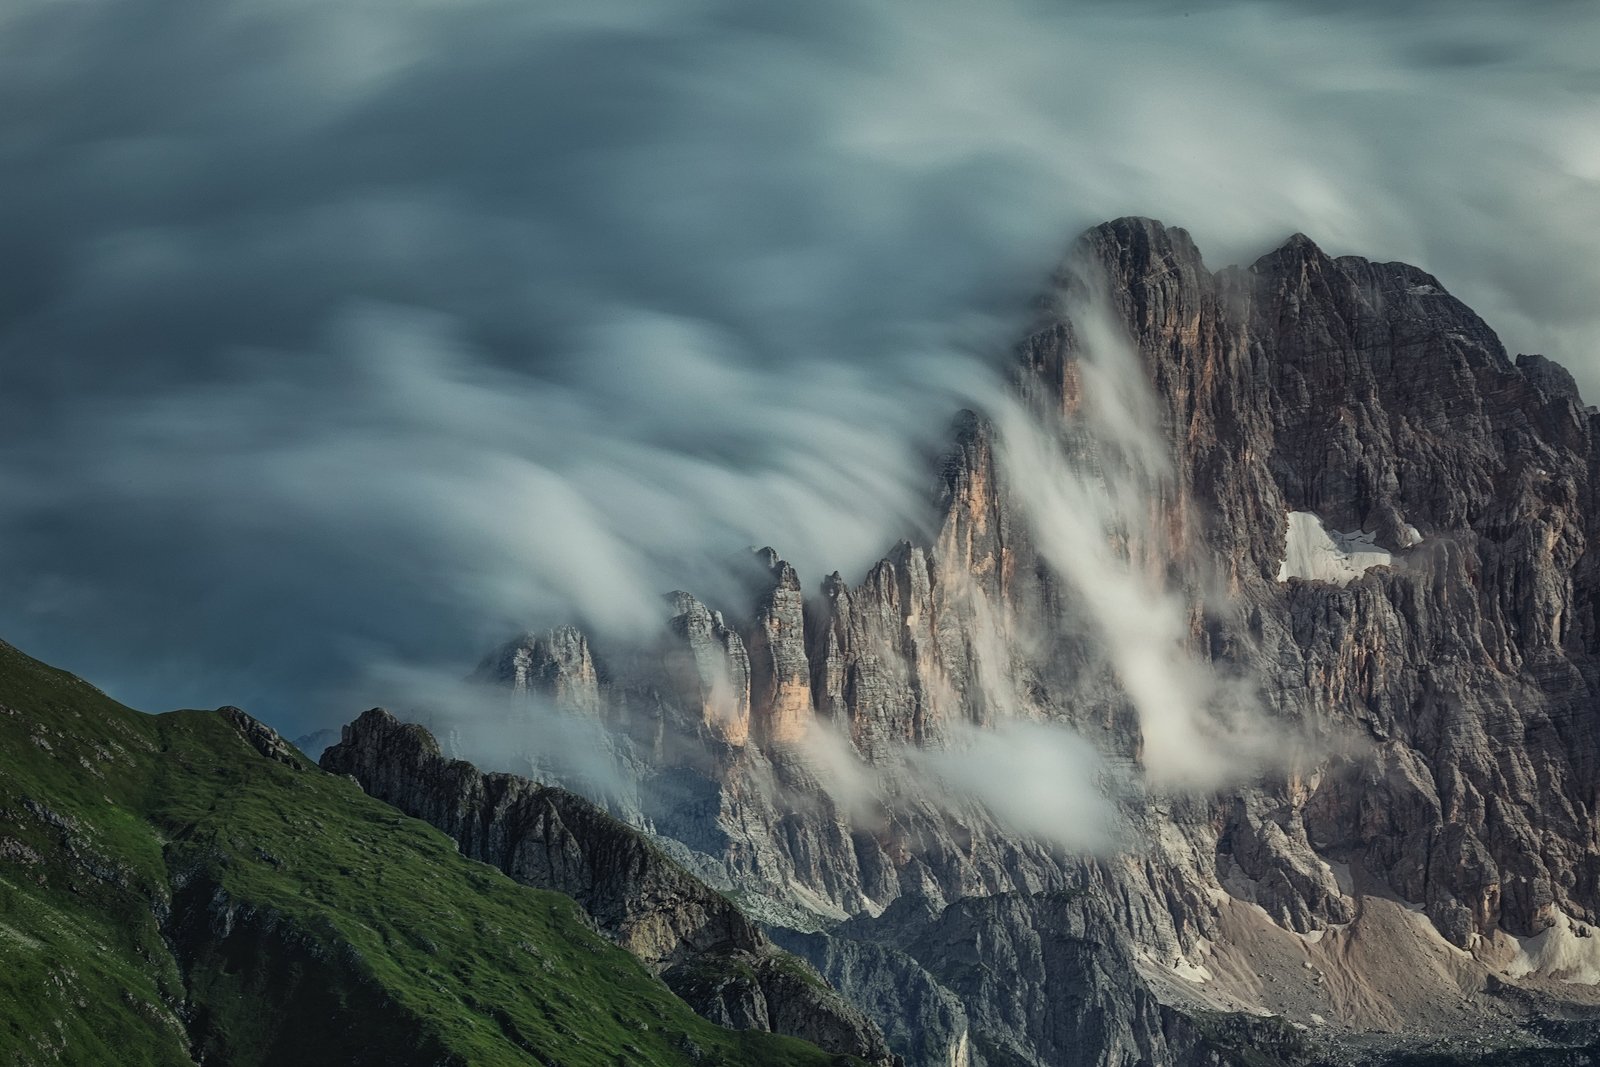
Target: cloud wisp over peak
(343, 332)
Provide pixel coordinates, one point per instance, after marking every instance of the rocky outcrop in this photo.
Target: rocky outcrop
(263, 738)
(708, 670)
(545, 837)
(922, 1020)
(1052, 978)
(778, 992)
(551, 839)
(780, 673)
(556, 665)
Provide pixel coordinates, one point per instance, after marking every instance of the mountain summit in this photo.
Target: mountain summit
(1303, 554)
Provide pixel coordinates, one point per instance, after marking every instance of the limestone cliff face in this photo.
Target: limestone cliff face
(1053, 978)
(1443, 707)
(704, 947)
(1366, 394)
(709, 671)
(780, 673)
(558, 664)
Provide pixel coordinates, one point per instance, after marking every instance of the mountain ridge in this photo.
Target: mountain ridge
(706, 950)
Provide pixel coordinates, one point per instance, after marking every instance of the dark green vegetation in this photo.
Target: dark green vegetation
(171, 891)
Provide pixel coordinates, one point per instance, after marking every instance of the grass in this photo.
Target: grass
(168, 893)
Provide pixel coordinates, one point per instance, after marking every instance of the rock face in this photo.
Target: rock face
(713, 956)
(1425, 726)
(709, 671)
(922, 1020)
(1368, 395)
(557, 663)
(1048, 978)
(780, 672)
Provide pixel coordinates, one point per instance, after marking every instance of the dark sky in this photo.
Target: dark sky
(336, 335)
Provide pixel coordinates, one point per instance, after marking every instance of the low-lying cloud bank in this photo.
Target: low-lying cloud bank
(351, 332)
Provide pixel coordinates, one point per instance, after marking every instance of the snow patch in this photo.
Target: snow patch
(1318, 554)
(1568, 951)
(1190, 971)
(1180, 964)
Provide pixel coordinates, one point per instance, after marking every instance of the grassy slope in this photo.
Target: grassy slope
(146, 860)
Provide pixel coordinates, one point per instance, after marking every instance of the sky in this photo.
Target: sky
(339, 334)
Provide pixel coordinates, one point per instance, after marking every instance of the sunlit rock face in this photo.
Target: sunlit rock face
(709, 669)
(1408, 710)
(780, 673)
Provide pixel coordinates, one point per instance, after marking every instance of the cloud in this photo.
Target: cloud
(1035, 778)
(350, 331)
(1097, 484)
(497, 729)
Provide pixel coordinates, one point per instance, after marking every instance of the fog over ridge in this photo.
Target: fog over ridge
(354, 332)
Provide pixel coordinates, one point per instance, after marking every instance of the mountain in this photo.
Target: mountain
(1309, 559)
(316, 743)
(1240, 708)
(186, 888)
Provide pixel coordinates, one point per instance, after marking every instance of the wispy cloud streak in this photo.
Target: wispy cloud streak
(342, 331)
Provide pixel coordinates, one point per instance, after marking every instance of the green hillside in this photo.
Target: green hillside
(173, 892)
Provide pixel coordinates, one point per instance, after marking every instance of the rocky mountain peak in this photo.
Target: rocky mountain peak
(1436, 689)
(709, 668)
(556, 665)
(1549, 377)
(780, 670)
(1133, 246)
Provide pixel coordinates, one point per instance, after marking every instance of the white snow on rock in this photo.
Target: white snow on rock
(1568, 951)
(1182, 965)
(1319, 554)
(1189, 971)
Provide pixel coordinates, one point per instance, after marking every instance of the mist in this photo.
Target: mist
(496, 729)
(1098, 483)
(342, 334)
